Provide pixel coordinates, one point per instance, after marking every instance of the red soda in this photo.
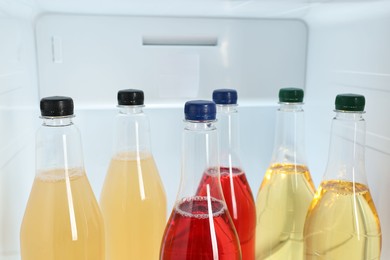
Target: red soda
(199, 229)
(240, 203)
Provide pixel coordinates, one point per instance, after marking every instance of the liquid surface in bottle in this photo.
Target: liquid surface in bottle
(282, 203)
(133, 204)
(194, 234)
(342, 223)
(240, 203)
(62, 219)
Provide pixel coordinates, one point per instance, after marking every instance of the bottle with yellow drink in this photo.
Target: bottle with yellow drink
(287, 188)
(62, 220)
(342, 222)
(133, 199)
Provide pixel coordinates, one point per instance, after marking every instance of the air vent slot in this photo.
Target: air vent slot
(195, 41)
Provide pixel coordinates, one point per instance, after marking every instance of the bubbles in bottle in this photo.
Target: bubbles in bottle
(197, 207)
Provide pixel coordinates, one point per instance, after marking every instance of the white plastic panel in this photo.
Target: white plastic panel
(18, 98)
(171, 59)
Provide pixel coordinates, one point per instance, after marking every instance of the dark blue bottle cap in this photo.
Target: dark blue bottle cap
(56, 106)
(200, 110)
(350, 102)
(225, 96)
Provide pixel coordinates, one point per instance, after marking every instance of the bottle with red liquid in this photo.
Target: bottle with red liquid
(200, 227)
(235, 187)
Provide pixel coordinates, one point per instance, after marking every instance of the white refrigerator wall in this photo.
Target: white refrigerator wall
(18, 110)
(176, 53)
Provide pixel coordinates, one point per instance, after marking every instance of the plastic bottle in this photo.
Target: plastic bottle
(200, 226)
(62, 220)
(133, 199)
(342, 222)
(236, 190)
(287, 188)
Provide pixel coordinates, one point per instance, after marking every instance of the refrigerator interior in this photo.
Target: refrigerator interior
(181, 50)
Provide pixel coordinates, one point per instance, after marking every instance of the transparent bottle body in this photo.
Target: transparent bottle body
(133, 199)
(62, 219)
(235, 187)
(200, 226)
(286, 190)
(342, 222)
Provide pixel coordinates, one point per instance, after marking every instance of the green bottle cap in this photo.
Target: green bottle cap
(291, 95)
(350, 102)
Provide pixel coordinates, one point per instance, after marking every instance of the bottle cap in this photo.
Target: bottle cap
(350, 102)
(200, 110)
(56, 106)
(225, 96)
(130, 97)
(291, 95)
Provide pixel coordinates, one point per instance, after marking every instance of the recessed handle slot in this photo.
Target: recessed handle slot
(180, 41)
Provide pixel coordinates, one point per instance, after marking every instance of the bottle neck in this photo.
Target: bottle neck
(289, 145)
(132, 133)
(199, 155)
(346, 153)
(228, 131)
(58, 145)
(57, 121)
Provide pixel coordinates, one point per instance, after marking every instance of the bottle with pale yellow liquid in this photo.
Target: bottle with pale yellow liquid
(287, 188)
(133, 199)
(62, 220)
(342, 222)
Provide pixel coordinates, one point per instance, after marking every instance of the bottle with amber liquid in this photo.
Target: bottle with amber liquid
(62, 220)
(287, 188)
(133, 200)
(342, 222)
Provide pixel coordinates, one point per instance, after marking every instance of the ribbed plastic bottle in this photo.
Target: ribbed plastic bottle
(62, 220)
(200, 226)
(287, 188)
(342, 222)
(235, 187)
(133, 199)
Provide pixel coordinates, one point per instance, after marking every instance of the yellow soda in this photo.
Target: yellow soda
(133, 200)
(133, 204)
(287, 188)
(342, 223)
(282, 203)
(62, 220)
